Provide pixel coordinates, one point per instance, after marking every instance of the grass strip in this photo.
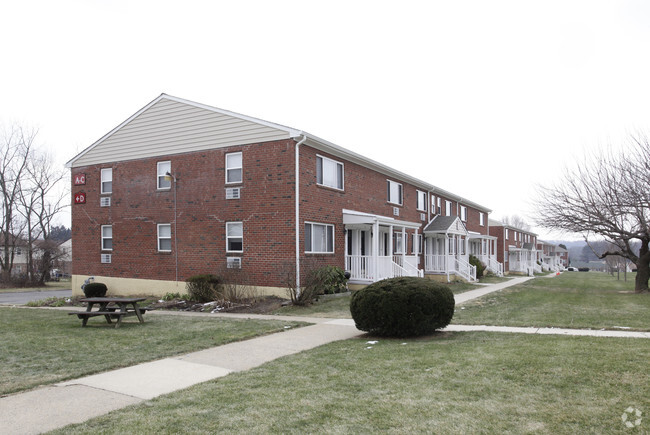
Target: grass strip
(446, 383)
(45, 346)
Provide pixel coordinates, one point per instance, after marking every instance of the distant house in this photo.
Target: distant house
(549, 256)
(516, 248)
(181, 188)
(562, 257)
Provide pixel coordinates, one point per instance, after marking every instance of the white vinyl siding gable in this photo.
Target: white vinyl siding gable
(173, 127)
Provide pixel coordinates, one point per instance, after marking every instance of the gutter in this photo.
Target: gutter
(304, 138)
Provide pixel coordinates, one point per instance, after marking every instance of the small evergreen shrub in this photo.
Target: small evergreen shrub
(95, 290)
(402, 307)
(203, 288)
(480, 267)
(329, 280)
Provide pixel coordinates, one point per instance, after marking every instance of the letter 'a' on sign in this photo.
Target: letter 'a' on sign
(79, 179)
(80, 198)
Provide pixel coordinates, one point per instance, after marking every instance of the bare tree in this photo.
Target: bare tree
(15, 149)
(40, 199)
(606, 196)
(516, 221)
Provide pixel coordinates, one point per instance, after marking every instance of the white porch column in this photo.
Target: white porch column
(374, 241)
(404, 245)
(390, 242)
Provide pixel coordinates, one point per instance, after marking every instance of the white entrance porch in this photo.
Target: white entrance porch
(484, 247)
(376, 247)
(446, 248)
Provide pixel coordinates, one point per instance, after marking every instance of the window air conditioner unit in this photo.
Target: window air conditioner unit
(395, 211)
(105, 201)
(106, 258)
(233, 193)
(233, 262)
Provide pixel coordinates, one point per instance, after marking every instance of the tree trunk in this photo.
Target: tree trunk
(643, 268)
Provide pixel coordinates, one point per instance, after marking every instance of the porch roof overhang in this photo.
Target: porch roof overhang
(478, 236)
(446, 225)
(351, 217)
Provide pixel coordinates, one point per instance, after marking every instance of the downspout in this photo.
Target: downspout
(304, 138)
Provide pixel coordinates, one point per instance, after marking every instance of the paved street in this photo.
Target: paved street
(24, 297)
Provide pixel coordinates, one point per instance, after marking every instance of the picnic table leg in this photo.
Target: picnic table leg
(137, 312)
(102, 307)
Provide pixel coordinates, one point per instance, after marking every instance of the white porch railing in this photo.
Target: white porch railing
(450, 264)
(362, 267)
(492, 265)
(466, 270)
(409, 263)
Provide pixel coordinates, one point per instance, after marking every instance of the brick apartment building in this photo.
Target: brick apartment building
(516, 248)
(181, 188)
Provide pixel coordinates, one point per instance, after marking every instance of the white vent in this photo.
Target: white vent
(233, 193)
(106, 258)
(423, 217)
(233, 262)
(105, 201)
(395, 211)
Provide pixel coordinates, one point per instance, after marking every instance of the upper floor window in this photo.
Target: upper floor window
(422, 201)
(394, 192)
(463, 213)
(439, 206)
(329, 172)
(164, 180)
(164, 237)
(107, 180)
(507, 234)
(234, 236)
(234, 168)
(447, 208)
(107, 237)
(481, 219)
(319, 238)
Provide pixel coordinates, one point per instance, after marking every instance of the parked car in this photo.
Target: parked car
(571, 269)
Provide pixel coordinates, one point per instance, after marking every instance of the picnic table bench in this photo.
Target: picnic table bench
(111, 308)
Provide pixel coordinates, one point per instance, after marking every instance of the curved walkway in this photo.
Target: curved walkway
(75, 401)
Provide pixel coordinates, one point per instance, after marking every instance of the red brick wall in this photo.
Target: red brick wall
(266, 207)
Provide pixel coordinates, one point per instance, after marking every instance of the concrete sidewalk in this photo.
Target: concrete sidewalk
(81, 399)
(76, 401)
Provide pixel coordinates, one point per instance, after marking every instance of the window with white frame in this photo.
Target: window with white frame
(234, 167)
(107, 180)
(433, 204)
(463, 213)
(422, 201)
(398, 245)
(507, 234)
(329, 172)
(447, 208)
(394, 192)
(481, 219)
(164, 237)
(319, 238)
(107, 237)
(164, 180)
(439, 205)
(234, 237)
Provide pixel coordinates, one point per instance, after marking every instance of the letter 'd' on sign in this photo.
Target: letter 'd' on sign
(80, 198)
(79, 179)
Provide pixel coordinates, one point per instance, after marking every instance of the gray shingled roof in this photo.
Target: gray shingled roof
(440, 224)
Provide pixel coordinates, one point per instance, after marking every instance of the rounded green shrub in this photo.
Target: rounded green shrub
(480, 267)
(95, 290)
(204, 288)
(402, 307)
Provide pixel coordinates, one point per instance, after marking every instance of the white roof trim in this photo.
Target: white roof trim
(351, 217)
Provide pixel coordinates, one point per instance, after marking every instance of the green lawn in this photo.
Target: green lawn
(63, 284)
(572, 300)
(46, 346)
(452, 383)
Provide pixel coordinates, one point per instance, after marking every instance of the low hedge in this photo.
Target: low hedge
(95, 290)
(402, 307)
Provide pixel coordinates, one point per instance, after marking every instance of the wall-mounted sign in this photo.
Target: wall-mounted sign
(80, 198)
(79, 179)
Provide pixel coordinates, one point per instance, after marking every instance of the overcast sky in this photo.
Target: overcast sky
(481, 98)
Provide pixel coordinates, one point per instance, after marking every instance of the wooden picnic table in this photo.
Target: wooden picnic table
(111, 308)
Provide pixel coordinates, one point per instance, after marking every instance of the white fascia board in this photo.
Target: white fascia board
(357, 217)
